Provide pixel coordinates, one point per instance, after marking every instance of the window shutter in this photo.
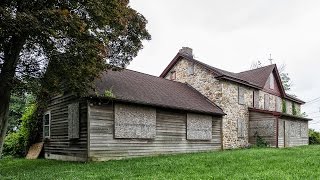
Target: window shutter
(266, 101)
(73, 120)
(241, 95)
(256, 99)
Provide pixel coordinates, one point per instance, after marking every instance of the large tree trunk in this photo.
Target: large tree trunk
(11, 58)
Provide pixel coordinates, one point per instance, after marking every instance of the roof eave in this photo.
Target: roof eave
(279, 114)
(155, 105)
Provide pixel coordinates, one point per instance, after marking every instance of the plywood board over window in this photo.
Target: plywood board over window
(199, 127)
(134, 122)
(241, 128)
(266, 102)
(256, 99)
(241, 95)
(73, 120)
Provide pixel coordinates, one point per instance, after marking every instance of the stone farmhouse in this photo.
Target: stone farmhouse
(191, 107)
(254, 101)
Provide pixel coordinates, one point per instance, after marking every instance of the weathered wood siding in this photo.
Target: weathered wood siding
(170, 137)
(281, 133)
(264, 125)
(59, 146)
(295, 133)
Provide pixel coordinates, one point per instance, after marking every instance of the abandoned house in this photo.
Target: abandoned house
(191, 107)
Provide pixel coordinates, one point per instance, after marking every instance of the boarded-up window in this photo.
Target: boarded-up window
(256, 99)
(241, 95)
(46, 124)
(190, 68)
(304, 129)
(199, 127)
(266, 102)
(278, 104)
(241, 128)
(73, 120)
(134, 122)
(271, 79)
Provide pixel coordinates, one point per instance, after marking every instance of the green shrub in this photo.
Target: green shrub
(260, 142)
(14, 145)
(314, 137)
(17, 143)
(294, 110)
(284, 106)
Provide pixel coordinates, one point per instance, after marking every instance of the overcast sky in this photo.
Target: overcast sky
(232, 34)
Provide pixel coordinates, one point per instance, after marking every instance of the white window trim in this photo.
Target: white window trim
(47, 113)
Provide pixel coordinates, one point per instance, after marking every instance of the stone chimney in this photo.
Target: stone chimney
(186, 51)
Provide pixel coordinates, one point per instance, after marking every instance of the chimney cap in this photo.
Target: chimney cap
(186, 51)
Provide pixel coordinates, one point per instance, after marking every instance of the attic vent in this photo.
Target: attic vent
(186, 51)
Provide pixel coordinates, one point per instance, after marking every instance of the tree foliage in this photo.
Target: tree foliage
(48, 46)
(314, 136)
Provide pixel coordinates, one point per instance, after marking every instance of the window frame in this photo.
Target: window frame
(47, 125)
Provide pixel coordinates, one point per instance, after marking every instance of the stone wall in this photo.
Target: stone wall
(235, 124)
(202, 80)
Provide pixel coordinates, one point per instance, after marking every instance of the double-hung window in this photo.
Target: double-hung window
(46, 124)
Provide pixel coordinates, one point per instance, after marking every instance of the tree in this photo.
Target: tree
(49, 45)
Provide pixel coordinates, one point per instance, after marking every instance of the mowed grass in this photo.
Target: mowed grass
(293, 163)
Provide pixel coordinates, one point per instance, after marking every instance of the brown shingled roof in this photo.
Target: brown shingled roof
(255, 78)
(136, 87)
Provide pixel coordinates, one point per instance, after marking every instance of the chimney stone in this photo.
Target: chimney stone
(186, 51)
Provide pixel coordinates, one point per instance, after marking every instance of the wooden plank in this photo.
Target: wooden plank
(170, 136)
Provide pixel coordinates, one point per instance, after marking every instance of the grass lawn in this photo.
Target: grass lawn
(294, 163)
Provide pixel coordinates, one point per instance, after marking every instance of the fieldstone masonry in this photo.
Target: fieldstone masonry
(225, 95)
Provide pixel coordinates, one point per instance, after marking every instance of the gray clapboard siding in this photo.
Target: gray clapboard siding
(264, 125)
(170, 136)
(59, 142)
(294, 134)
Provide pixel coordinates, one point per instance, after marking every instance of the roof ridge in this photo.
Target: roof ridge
(256, 68)
(154, 76)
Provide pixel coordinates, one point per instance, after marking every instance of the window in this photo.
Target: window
(190, 68)
(278, 104)
(134, 122)
(199, 127)
(73, 120)
(241, 128)
(271, 79)
(256, 99)
(241, 95)
(266, 102)
(172, 75)
(46, 124)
